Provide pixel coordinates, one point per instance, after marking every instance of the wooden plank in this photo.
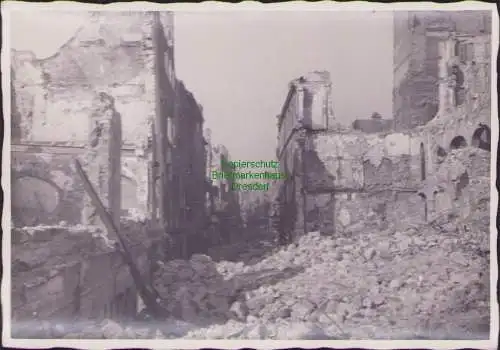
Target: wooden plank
(147, 295)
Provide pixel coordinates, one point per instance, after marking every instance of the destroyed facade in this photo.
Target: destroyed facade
(340, 177)
(111, 94)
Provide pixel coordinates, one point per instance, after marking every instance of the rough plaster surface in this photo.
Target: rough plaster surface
(102, 159)
(46, 89)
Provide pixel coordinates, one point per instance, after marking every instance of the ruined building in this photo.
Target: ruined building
(418, 37)
(129, 56)
(340, 177)
(110, 98)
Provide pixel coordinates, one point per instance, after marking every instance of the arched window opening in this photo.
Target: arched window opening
(424, 200)
(435, 200)
(458, 142)
(482, 138)
(422, 162)
(34, 200)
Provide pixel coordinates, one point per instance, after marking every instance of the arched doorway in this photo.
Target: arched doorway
(35, 201)
(458, 142)
(422, 162)
(482, 138)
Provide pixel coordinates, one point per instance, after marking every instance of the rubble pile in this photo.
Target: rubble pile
(418, 279)
(428, 281)
(409, 283)
(193, 290)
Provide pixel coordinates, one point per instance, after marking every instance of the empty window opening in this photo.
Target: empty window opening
(462, 183)
(435, 199)
(458, 142)
(422, 162)
(435, 194)
(424, 200)
(464, 51)
(441, 152)
(482, 138)
(458, 88)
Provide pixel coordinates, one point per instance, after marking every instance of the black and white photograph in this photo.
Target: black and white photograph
(188, 175)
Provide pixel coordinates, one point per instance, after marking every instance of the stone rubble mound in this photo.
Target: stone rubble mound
(390, 284)
(193, 290)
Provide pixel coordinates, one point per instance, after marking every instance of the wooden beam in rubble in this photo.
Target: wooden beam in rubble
(146, 294)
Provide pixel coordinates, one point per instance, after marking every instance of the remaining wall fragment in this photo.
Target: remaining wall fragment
(103, 159)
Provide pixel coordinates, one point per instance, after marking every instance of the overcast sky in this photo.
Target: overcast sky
(238, 65)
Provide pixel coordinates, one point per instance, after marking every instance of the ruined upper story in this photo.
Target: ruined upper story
(307, 105)
(428, 46)
(114, 52)
(191, 115)
(350, 160)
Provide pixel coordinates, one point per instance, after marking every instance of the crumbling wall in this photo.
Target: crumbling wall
(191, 151)
(106, 55)
(113, 53)
(102, 159)
(424, 43)
(357, 161)
(47, 190)
(354, 177)
(344, 212)
(460, 183)
(69, 272)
